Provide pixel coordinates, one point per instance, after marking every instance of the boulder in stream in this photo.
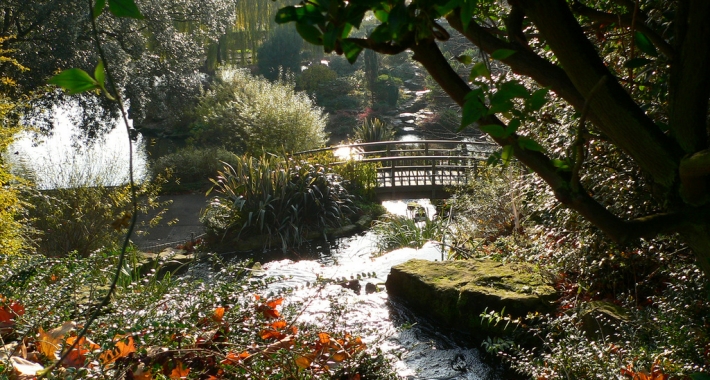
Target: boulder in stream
(455, 293)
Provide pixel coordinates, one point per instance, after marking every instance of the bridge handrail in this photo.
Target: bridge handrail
(388, 143)
(408, 158)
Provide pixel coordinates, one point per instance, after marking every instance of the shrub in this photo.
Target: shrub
(396, 231)
(281, 199)
(281, 52)
(243, 113)
(314, 77)
(191, 168)
(386, 90)
(372, 130)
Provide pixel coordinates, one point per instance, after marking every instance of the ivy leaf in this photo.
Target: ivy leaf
(495, 130)
(480, 69)
(100, 74)
(465, 59)
(637, 62)
(381, 15)
(530, 144)
(537, 99)
(502, 54)
(473, 109)
(310, 33)
(74, 81)
(351, 50)
(124, 8)
(645, 44)
(98, 8)
(561, 164)
(286, 14)
(507, 154)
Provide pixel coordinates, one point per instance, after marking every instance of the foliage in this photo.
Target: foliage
(87, 217)
(386, 90)
(281, 199)
(191, 168)
(594, 59)
(243, 113)
(359, 178)
(314, 77)
(195, 327)
(280, 53)
(156, 57)
(13, 231)
(396, 231)
(667, 337)
(372, 130)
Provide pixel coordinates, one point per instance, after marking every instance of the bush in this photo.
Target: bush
(395, 231)
(386, 90)
(243, 113)
(191, 168)
(280, 199)
(315, 77)
(372, 130)
(281, 52)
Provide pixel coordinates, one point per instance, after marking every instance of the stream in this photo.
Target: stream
(422, 350)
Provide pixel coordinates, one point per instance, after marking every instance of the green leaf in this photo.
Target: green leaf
(512, 127)
(473, 109)
(507, 154)
(448, 7)
(493, 159)
(530, 144)
(645, 44)
(510, 90)
(99, 8)
(100, 74)
(495, 130)
(637, 62)
(351, 50)
(465, 59)
(329, 38)
(537, 99)
(74, 81)
(286, 14)
(700, 376)
(310, 33)
(124, 8)
(561, 164)
(502, 54)
(478, 70)
(381, 15)
(467, 10)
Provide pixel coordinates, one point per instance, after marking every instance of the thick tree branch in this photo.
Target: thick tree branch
(690, 80)
(621, 118)
(625, 20)
(524, 62)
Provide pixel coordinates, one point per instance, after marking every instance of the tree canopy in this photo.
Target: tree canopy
(156, 58)
(614, 80)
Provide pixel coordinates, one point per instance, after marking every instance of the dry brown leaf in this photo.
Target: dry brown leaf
(77, 357)
(25, 369)
(339, 356)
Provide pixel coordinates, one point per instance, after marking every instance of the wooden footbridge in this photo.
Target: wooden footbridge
(416, 169)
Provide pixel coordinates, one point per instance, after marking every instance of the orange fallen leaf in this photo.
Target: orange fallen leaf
(303, 362)
(278, 325)
(180, 371)
(123, 347)
(48, 342)
(233, 358)
(271, 334)
(339, 356)
(77, 356)
(324, 338)
(218, 314)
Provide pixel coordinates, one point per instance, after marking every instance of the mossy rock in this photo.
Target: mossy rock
(455, 293)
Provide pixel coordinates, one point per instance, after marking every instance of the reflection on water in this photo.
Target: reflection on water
(63, 160)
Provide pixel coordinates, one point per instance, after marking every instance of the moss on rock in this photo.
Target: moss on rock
(457, 292)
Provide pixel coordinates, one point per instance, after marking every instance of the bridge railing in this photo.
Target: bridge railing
(422, 165)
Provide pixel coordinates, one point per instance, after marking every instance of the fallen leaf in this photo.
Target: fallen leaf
(278, 325)
(77, 356)
(339, 356)
(180, 371)
(123, 347)
(271, 334)
(48, 342)
(25, 369)
(233, 358)
(303, 362)
(218, 314)
(324, 338)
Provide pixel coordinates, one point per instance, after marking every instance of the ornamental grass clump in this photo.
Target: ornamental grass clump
(282, 199)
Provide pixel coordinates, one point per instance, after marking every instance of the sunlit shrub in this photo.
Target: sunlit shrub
(282, 199)
(314, 77)
(243, 113)
(372, 130)
(396, 231)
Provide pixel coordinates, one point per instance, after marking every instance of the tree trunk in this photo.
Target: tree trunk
(697, 236)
